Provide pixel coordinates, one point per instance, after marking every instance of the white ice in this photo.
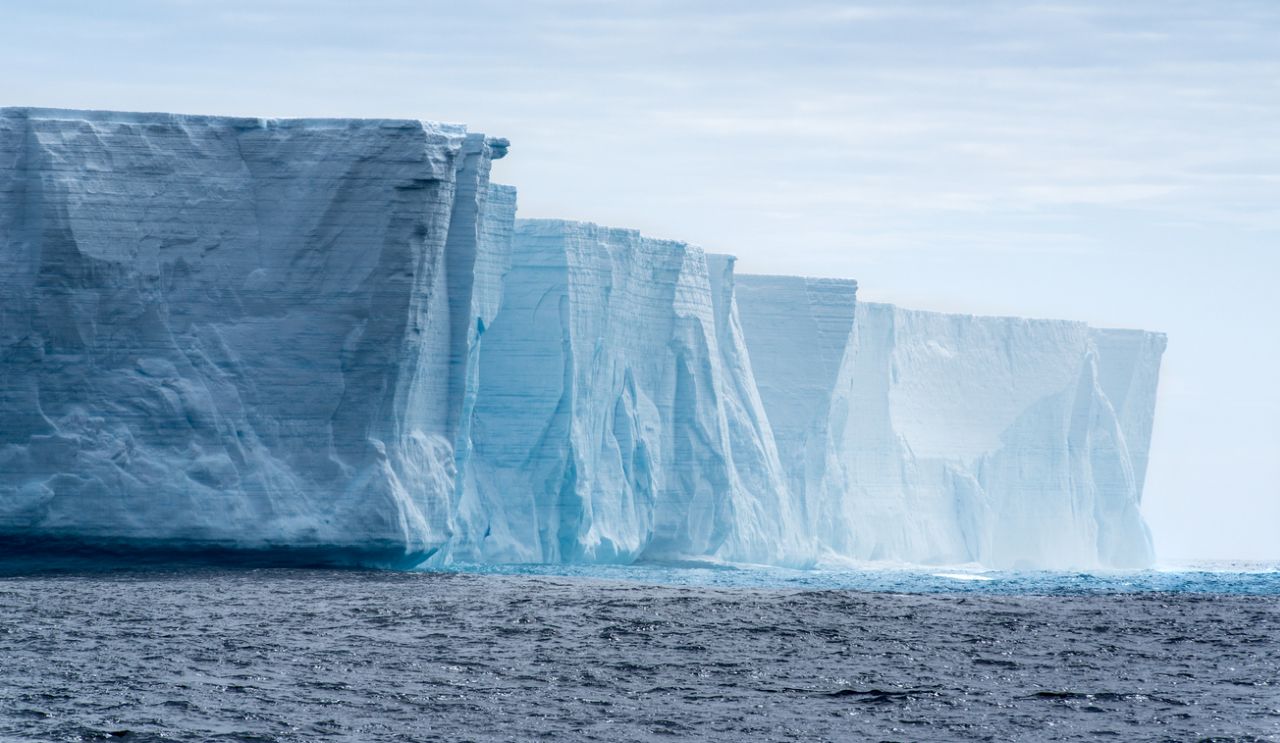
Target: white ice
(334, 335)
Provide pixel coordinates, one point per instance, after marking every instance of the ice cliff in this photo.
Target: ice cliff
(223, 332)
(331, 340)
(615, 418)
(799, 332)
(933, 438)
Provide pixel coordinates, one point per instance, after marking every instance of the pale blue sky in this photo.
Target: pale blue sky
(1111, 162)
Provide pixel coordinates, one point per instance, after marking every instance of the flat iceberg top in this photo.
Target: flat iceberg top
(783, 281)
(620, 236)
(1117, 333)
(457, 131)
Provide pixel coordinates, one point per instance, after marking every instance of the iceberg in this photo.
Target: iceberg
(612, 422)
(331, 341)
(800, 334)
(232, 333)
(950, 439)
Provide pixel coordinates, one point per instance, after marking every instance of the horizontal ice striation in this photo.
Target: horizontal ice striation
(496, 229)
(223, 332)
(953, 438)
(1127, 368)
(331, 340)
(771, 527)
(800, 333)
(613, 422)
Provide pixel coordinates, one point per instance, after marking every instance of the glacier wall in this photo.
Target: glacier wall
(225, 332)
(606, 427)
(800, 333)
(953, 438)
(331, 340)
(496, 230)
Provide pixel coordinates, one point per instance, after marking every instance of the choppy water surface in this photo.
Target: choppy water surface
(208, 654)
(1237, 577)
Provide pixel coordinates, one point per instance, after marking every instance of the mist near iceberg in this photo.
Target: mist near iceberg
(330, 340)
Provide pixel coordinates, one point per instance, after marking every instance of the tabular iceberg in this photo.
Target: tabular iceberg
(933, 438)
(332, 339)
(225, 332)
(610, 423)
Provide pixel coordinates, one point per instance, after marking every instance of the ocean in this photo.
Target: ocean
(643, 653)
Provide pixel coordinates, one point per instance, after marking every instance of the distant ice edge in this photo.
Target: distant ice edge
(330, 341)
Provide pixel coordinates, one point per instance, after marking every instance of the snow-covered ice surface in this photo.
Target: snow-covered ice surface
(333, 338)
(231, 332)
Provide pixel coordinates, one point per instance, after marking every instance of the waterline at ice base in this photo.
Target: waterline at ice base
(330, 341)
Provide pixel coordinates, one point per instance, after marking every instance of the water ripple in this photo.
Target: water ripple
(300, 655)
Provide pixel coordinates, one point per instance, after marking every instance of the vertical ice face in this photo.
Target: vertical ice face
(953, 438)
(1128, 373)
(230, 332)
(772, 527)
(477, 252)
(333, 336)
(800, 334)
(604, 429)
(492, 262)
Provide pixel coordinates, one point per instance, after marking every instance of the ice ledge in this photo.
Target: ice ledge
(792, 279)
(966, 316)
(143, 117)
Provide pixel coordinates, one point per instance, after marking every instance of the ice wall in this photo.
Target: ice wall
(800, 332)
(953, 438)
(1127, 375)
(772, 528)
(220, 332)
(492, 262)
(606, 426)
(332, 339)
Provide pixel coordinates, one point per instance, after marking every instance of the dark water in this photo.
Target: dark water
(1217, 577)
(324, 655)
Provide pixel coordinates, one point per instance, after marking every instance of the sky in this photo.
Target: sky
(1117, 163)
